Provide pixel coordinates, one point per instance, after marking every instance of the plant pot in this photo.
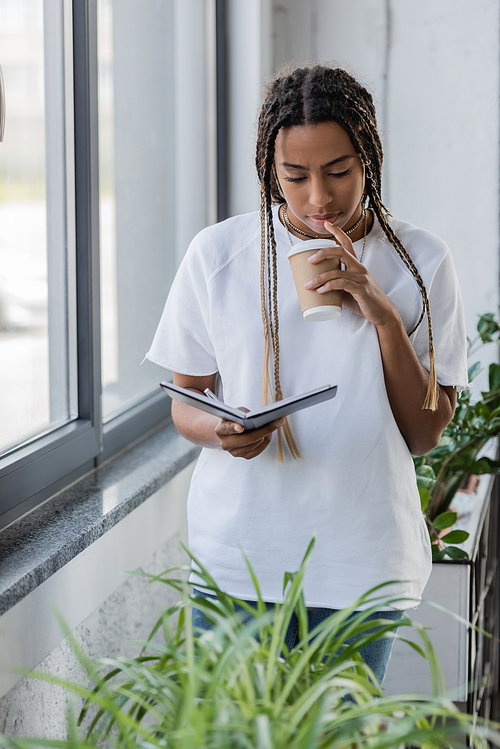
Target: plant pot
(469, 589)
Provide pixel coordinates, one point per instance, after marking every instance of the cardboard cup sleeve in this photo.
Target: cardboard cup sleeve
(315, 307)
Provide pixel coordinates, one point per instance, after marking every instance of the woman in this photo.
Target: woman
(397, 354)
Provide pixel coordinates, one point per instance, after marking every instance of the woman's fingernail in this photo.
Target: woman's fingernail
(279, 422)
(320, 288)
(312, 257)
(308, 284)
(238, 428)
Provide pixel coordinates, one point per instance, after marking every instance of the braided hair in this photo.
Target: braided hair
(309, 96)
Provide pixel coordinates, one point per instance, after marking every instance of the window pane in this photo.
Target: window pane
(144, 134)
(37, 384)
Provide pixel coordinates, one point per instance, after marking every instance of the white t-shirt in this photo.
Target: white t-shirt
(354, 485)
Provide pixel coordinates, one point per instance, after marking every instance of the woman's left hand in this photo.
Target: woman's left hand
(362, 295)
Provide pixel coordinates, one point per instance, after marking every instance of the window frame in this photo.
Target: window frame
(29, 474)
(33, 472)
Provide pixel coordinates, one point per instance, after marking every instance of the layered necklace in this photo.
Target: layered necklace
(291, 227)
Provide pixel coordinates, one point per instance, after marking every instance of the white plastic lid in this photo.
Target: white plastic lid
(311, 244)
(325, 312)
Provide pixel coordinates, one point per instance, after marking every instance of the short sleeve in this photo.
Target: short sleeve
(182, 342)
(448, 327)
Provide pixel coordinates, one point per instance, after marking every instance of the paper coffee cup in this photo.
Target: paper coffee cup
(315, 307)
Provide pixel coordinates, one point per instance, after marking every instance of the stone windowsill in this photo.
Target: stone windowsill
(42, 542)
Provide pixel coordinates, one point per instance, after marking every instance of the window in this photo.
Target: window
(37, 252)
(107, 170)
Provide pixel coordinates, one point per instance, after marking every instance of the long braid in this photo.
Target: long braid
(269, 296)
(264, 299)
(431, 396)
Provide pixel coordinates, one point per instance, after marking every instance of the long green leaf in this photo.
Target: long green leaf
(474, 371)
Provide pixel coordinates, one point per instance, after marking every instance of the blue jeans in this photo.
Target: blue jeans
(376, 654)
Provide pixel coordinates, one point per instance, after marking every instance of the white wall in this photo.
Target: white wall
(348, 33)
(294, 36)
(443, 128)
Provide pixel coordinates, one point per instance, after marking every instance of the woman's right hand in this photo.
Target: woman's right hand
(245, 444)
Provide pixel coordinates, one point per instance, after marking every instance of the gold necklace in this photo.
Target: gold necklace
(365, 228)
(296, 229)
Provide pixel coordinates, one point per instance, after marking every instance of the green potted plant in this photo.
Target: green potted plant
(239, 687)
(443, 471)
(457, 582)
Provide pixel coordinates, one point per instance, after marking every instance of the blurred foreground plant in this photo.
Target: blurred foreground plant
(442, 472)
(238, 686)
